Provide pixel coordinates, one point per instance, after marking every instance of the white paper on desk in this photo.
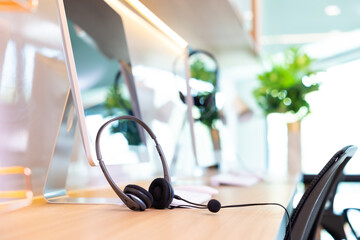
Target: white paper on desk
(245, 180)
(194, 197)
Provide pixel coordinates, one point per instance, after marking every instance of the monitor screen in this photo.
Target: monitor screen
(119, 63)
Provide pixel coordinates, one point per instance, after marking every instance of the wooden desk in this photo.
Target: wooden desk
(64, 221)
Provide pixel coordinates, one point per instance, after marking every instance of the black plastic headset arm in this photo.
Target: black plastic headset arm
(130, 203)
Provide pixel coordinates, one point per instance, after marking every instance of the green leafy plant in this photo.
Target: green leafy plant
(199, 71)
(116, 104)
(205, 101)
(283, 88)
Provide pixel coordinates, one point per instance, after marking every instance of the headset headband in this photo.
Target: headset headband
(131, 203)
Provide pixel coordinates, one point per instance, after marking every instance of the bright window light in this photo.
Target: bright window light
(334, 119)
(332, 10)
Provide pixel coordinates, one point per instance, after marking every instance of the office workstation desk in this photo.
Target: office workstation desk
(42, 220)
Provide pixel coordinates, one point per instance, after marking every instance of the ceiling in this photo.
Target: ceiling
(309, 17)
(300, 22)
(219, 25)
(212, 25)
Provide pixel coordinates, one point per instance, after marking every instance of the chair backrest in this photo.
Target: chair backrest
(306, 217)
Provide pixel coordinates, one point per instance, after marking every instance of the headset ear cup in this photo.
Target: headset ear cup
(162, 193)
(140, 193)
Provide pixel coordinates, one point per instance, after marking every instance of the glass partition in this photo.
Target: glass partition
(33, 89)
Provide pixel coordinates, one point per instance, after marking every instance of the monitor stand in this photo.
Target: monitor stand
(55, 184)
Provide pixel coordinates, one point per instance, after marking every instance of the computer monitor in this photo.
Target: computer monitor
(120, 63)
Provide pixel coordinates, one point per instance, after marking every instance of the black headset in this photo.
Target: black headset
(160, 194)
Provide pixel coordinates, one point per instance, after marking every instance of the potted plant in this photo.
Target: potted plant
(283, 89)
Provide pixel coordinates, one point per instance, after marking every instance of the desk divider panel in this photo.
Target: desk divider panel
(55, 185)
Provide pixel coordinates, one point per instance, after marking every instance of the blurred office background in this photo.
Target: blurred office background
(246, 36)
(243, 35)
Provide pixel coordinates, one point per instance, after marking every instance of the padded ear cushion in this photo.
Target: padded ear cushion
(162, 193)
(139, 204)
(141, 193)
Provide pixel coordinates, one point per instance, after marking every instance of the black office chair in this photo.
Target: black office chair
(306, 217)
(352, 217)
(334, 223)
